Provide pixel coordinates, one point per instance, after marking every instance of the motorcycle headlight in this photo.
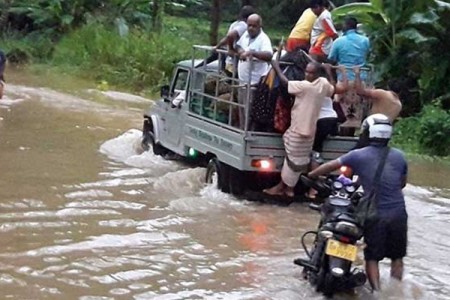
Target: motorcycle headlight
(350, 189)
(337, 185)
(348, 228)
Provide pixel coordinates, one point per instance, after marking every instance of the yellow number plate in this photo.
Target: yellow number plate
(341, 250)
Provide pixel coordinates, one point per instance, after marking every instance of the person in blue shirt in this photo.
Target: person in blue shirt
(387, 236)
(351, 49)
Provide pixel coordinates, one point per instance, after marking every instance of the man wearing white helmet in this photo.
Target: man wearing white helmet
(386, 237)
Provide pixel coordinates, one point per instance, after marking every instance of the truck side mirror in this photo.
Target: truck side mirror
(165, 91)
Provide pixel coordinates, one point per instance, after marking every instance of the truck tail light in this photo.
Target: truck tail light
(262, 164)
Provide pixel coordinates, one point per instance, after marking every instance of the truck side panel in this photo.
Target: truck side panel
(336, 146)
(208, 137)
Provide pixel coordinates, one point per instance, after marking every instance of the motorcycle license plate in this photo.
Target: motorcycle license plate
(341, 250)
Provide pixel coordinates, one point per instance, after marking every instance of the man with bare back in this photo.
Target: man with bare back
(382, 101)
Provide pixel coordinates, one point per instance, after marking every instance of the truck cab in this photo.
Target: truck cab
(196, 117)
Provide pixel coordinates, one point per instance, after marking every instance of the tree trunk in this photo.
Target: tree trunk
(157, 15)
(215, 21)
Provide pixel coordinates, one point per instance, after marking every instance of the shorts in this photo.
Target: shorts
(294, 44)
(387, 237)
(325, 127)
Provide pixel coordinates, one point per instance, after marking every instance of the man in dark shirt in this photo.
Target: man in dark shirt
(387, 237)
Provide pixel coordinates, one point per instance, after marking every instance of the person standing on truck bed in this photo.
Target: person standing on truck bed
(253, 44)
(235, 31)
(382, 101)
(323, 32)
(301, 33)
(351, 49)
(299, 138)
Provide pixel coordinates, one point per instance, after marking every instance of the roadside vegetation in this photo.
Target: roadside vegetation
(133, 44)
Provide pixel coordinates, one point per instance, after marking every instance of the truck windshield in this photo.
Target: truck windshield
(180, 81)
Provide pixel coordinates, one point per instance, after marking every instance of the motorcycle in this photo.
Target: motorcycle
(329, 263)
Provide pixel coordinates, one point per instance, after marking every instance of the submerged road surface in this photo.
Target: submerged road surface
(85, 215)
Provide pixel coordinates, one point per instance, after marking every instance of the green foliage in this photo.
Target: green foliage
(26, 49)
(52, 16)
(429, 132)
(139, 60)
(408, 38)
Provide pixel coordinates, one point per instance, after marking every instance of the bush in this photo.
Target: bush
(138, 61)
(21, 49)
(434, 130)
(428, 132)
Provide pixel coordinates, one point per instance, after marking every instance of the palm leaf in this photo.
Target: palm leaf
(429, 17)
(360, 10)
(354, 8)
(377, 4)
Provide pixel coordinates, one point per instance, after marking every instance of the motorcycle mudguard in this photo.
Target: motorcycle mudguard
(343, 264)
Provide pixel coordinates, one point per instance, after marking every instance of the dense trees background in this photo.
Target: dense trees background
(136, 42)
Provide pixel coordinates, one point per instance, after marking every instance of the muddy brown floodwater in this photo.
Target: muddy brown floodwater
(85, 215)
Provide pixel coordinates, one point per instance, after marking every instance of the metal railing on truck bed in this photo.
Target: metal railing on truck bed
(217, 98)
(213, 102)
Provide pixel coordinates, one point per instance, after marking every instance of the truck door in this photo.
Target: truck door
(176, 109)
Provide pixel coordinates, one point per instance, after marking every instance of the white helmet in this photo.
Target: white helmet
(377, 128)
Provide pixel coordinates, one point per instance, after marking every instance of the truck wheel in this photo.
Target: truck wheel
(148, 139)
(218, 174)
(237, 181)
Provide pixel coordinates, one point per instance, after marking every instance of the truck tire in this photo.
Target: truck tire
(218, 173)
(148, 139)
(237, 182)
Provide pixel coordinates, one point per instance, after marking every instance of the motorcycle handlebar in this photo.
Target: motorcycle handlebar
(320, 185)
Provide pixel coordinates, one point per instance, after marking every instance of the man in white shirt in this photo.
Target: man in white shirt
(234, 33)
(255, 53)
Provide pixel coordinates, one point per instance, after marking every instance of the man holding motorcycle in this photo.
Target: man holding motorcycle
(387, 236)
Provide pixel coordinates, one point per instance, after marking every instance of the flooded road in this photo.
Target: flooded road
(85, 215)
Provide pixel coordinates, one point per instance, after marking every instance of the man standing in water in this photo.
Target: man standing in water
(387, 236)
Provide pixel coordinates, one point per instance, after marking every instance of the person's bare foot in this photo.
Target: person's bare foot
(311, 194)
(278, 190)
(289, 192)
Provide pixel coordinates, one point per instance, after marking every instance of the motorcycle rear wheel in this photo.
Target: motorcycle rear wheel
(325, 282)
